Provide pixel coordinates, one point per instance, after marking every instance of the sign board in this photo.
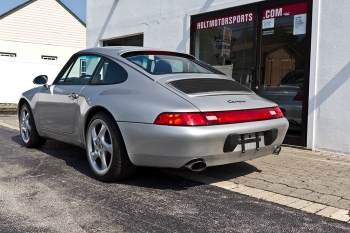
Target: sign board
(224, 21)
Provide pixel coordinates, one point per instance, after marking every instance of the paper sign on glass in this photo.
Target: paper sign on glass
(268, 23)
(299, 24)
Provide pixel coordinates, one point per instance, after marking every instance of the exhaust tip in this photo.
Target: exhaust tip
(196, 165)
(277, 150)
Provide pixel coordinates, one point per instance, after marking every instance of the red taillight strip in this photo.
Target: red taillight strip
(217, 118)
(180, 119)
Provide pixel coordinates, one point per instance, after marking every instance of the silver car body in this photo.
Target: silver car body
(136, 103)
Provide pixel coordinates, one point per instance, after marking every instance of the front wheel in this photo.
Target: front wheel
(27, 127)
(106, 151)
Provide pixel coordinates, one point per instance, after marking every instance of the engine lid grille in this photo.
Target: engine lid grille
(207, 85)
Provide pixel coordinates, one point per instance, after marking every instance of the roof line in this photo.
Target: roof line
(31, 1)
(71, 12)
(16, 8)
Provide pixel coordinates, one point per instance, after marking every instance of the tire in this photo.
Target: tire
(27, 127)
(106, 150)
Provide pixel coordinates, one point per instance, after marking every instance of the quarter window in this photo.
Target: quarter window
(109, 72)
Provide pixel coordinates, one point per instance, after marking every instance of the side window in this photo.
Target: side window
(80, 72)
(109, 72)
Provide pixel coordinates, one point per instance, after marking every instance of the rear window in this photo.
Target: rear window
(163, 63)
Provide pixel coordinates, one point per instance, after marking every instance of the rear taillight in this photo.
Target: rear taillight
(279, 112)
(180, 119)
(217, 118)
(230, 117)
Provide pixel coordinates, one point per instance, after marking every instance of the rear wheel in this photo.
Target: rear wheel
(27, 127)
(105, 149)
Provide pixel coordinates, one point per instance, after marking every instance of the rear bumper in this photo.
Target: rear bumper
(174, 146)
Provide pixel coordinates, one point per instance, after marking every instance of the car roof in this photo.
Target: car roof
(115, 51)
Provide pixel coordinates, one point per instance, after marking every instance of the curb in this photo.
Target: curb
(8, 110)
(295, 203)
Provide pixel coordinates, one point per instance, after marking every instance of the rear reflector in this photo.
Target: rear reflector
(218, 118)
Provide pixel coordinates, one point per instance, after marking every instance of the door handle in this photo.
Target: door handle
(73, 96)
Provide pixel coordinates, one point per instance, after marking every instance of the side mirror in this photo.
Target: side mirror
(40, 80)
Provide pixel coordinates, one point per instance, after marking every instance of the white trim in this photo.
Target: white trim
(312, 109)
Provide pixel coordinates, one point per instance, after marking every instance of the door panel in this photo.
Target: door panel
(57, 106)
(56, 109)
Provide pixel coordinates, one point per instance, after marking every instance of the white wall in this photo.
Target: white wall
(35, 51)
(332, 99)
(17, 74)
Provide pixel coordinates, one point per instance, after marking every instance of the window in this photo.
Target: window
(109, 72)
(51, 58)
(125, 41)
(7, 54)
(82, 67)
(80, 71)
(160, 63)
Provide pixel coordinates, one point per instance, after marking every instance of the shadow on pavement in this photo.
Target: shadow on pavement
(231, 171)
(75, 157)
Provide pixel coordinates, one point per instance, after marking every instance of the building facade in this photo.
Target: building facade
(37, 37)
(293, 52)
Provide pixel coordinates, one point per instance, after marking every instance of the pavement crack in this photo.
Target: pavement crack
(31, 174)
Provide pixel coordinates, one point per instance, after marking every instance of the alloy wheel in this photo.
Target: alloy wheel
(26, 128)
(100, 147)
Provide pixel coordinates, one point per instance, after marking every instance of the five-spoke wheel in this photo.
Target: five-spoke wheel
(27, 127)
(105, 149)
(100, 146)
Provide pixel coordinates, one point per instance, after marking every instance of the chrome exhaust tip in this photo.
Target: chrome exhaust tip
(196, 165)
(276, 150)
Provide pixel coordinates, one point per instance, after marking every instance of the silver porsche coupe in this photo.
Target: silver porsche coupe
(132, 106)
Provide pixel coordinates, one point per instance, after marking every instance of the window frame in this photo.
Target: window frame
(6, 54)
(69, 65)
(46, 56)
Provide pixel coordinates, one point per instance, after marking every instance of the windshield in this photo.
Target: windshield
(155, 63)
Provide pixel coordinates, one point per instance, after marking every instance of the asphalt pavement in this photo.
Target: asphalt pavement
(52, 189)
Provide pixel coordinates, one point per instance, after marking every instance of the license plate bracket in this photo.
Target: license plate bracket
(249, 139)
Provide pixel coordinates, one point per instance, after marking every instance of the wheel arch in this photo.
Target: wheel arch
(92, 112)
(20, 104)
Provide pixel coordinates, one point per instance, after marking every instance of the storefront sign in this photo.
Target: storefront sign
(224, 21)
(288, 10)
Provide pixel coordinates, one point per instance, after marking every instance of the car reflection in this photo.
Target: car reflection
(288, 95)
